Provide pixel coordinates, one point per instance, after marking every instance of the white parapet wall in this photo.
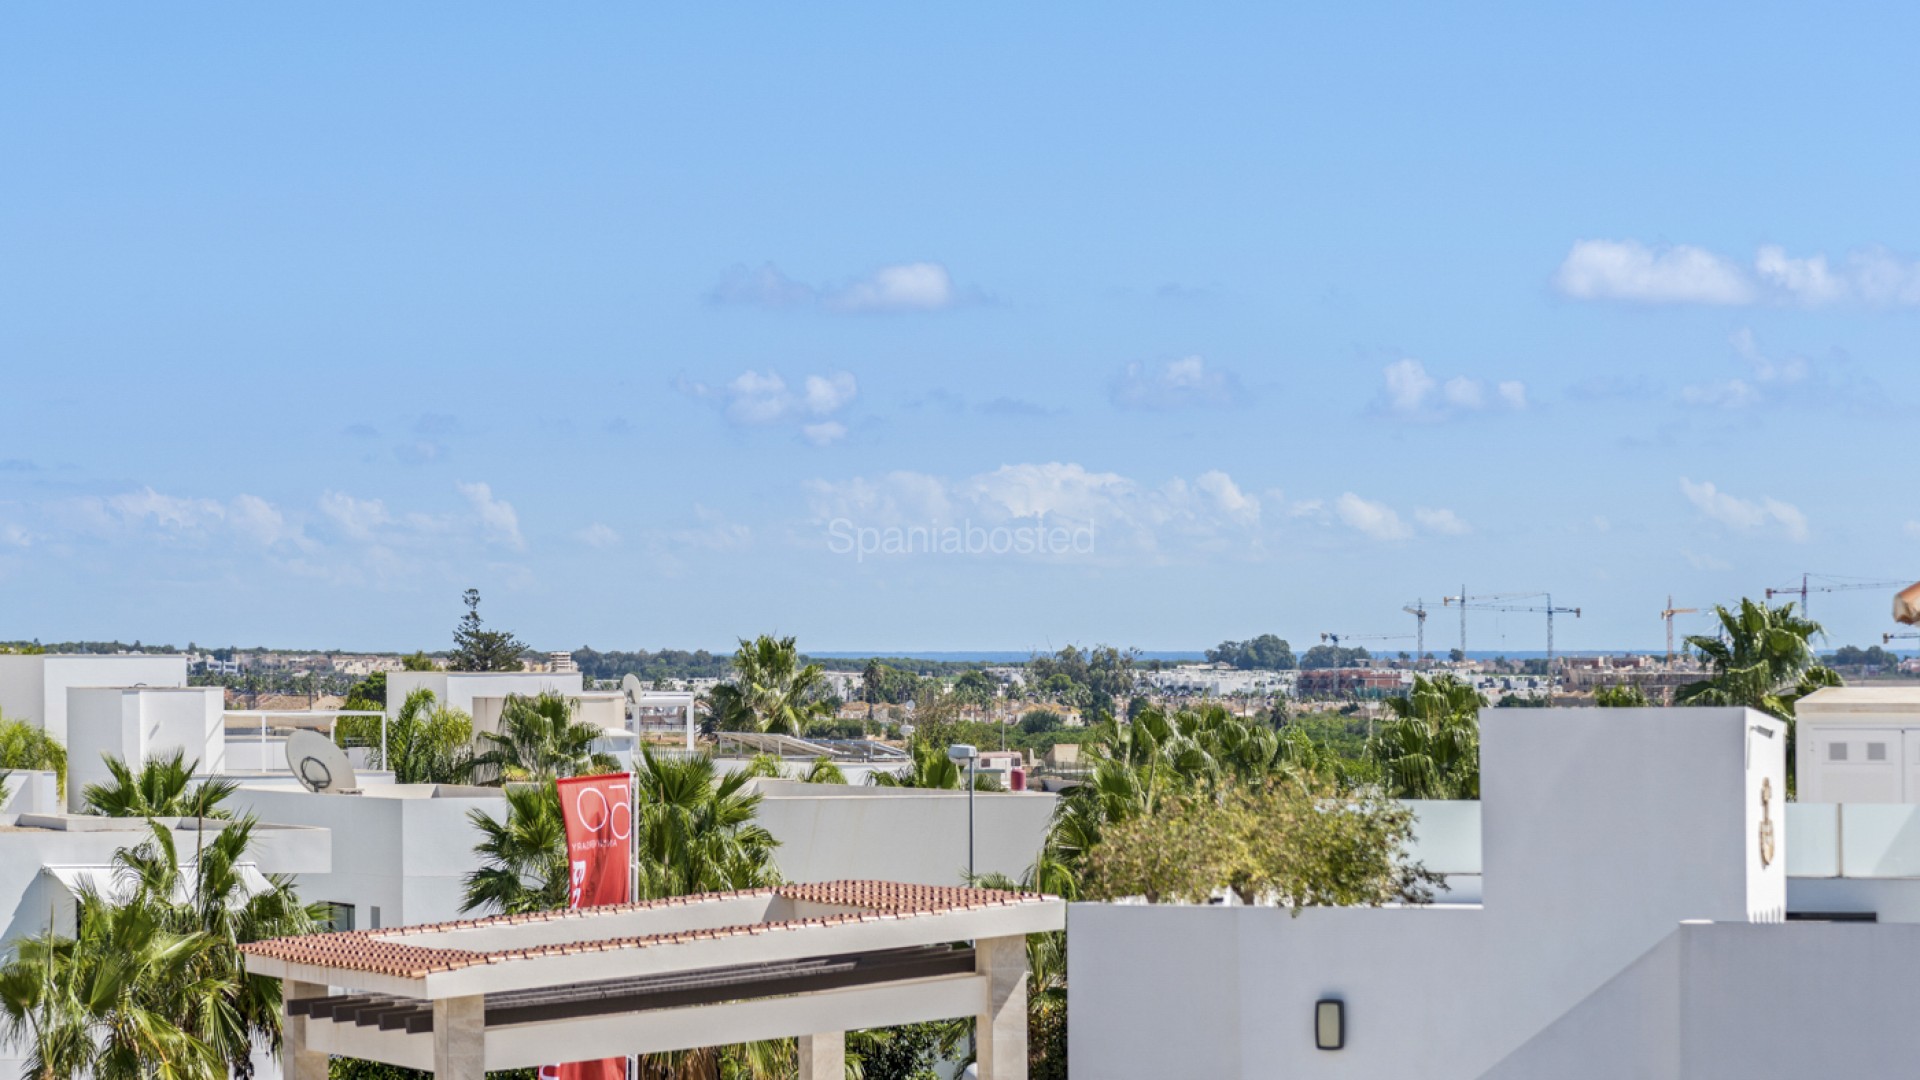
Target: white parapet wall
(34, 687)
(135, 724)
(1603, 831)
(833, 831)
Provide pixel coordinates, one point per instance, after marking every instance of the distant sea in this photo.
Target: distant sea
(990, 656)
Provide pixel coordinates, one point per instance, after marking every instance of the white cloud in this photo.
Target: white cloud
(1442, 521)
(1210, 512)
(248, 517)
(1175, 384)
(497, 516)
(763, 399)
(358, 518)
(1746, 515)
(825, 432)
(598, 535)
(1763, 374)
(1681, 274)
(919, 286)
(1374, 519)
(1628, 270)
(1409, 390)
(1408, 386)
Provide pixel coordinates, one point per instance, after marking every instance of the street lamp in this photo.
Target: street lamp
(958, 753)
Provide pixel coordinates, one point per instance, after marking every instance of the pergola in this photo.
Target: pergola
(806, 961)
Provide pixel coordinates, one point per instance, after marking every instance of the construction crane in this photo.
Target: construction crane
(1888, 639)
(1466, 602)
(1338, 638)
(1418, 609)
(1474, 603)
(1668, 613)
(1835, 584)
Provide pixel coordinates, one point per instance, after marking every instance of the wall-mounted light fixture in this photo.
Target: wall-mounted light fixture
(1330, 1024)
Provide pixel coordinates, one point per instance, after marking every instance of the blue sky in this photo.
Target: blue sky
(312, 317)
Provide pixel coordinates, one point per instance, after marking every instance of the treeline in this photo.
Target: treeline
(664, 664)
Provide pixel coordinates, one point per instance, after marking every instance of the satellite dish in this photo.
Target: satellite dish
(320, 766)
(630, 684)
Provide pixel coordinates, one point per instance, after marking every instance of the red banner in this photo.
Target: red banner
(598, 811)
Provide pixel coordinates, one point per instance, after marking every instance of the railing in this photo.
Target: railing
(279, 724)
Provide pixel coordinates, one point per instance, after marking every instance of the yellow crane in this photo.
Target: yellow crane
(1668, 614)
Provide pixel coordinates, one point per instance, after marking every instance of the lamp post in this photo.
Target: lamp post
(958, 753)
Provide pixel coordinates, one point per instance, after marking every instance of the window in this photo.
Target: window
(373, 920)
(1876, 751)
(338, 916)
(1836, 751)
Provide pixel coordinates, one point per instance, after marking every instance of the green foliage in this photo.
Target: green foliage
(24, 746)
(523, 855)
(1264, 653)
(1431, 748)
(1852, 656)
(770, 691)
(476, 648)
(651, 666)
(367, 695)
(1763, 659)
(929, 767)
(156, 986)
(1040, 721)
(1623, 696)
(697, 829)
(419, 661)
(1300, 845)
(824, 771)
(1333, 656)
(426, 744)
(767, 765)
(1095, 680)
(163, 787)
(539, 739)
(907, 1052)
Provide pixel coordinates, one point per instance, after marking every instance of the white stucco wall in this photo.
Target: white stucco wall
(134, 725)
(34, 688)
(458, 689)
(829, 831)
(1602, 831)
(395, 847)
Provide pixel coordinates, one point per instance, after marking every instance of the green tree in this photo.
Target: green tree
(419, 661)
(928, 767)
(24, 746)
(1763, 659)
(210, 896)
(698, 831)
(771, 689)
(1268, 652)
(163, 787)
(476, 648)
(1431, 747)
(106, 1003)
(540, 739)
(523, 855)
(824, 771)
(1622, 696)
(1293, 844)
(367, 695)
(426, 744)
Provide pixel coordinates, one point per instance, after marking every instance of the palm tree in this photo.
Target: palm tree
(427, 744)
(1431, 748)
(771, 690)
(930, 767)
(697, 830)
(1763, 659)
(159, 789)
(523, 856)
(824, 771)
(539, 739)
(115, 1002)
(23, 746)
(212, 898)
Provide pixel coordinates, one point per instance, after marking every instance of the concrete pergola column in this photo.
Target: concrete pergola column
(1000, 1030)
(460, 1038)
(297, 1061)
(823, 1057)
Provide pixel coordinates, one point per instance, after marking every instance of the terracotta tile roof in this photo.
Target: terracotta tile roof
(373, 951)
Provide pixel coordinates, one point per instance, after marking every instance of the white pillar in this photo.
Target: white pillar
(1000, 1030)
(823, 1057)
(296, 1061)
(460, 1038)
(691, 731)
